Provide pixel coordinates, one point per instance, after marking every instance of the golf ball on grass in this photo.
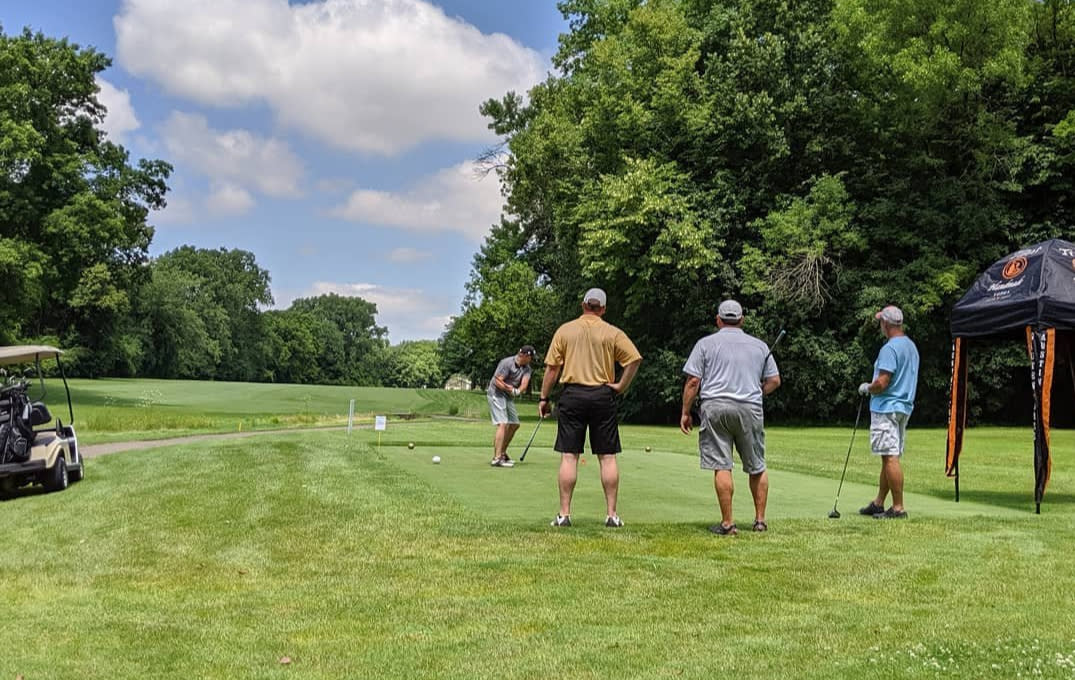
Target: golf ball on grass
(648, 449)
(410, 445)
(436, 459)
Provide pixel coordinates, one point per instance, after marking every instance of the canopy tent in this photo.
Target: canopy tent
(1028, 294)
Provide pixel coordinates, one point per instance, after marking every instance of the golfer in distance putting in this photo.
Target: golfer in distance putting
(731, 371)
(892, 393)
(583, 355)
(510, 379)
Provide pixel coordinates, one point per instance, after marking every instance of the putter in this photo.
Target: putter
(835, 514)
(523, 457)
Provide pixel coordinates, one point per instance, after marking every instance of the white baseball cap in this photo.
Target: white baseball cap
(595, 296)
(730, 310)
(891, 314)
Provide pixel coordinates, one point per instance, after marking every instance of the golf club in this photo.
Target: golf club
(835, 514)
(779, 337)
(523, 457)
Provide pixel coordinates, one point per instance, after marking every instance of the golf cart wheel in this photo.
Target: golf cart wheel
(78, 469)
(56, 478)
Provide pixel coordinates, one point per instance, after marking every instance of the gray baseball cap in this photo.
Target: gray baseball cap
(730, 310)
(595, 296)
(891, 314)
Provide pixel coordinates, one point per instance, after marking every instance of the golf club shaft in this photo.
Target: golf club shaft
(523, 457)
(779, 337)
(839, 488)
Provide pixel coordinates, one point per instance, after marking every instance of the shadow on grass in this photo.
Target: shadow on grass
(1016, 500)
(24, 492)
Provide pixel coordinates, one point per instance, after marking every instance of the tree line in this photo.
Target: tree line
(815, 159)
(76, 271)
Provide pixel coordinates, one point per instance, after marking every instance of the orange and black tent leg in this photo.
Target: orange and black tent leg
(957, 410)
(1041, 346)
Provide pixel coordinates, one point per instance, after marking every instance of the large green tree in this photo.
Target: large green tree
(816, 159)
(506, 307)
(73, 207)
(352, 339)
(223, 291)
(414, 363)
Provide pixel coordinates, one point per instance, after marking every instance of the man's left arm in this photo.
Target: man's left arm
(769, 385)
(628, 356)
(626, 377)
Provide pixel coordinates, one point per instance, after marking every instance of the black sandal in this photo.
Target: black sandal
(759, 525)
(721, 530)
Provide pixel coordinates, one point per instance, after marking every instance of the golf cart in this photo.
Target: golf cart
(33, 449)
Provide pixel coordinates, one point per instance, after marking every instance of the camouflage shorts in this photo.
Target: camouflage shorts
(887, 433)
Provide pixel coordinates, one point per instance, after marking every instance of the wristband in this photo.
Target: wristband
(543, 399)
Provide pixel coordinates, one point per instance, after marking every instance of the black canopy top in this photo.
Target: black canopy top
(1034, 286)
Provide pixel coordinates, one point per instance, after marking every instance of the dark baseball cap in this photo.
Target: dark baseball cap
(528, 350)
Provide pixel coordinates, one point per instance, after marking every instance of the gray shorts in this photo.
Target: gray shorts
(502, 408)
(726, 423)
(888, 431)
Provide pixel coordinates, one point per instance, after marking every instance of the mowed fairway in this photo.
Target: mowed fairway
(357, 557)
(117, 409)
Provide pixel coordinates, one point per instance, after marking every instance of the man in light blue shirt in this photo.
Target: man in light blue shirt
(892, 390)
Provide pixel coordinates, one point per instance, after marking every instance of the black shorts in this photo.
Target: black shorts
(581, 407)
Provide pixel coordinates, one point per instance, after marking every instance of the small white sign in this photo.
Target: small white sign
(380, 423)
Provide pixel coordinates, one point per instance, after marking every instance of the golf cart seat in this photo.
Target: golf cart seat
(39, 414)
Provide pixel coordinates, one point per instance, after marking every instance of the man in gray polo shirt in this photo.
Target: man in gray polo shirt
(511, 377)
(731, 371)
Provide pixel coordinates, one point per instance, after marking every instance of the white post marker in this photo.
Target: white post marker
(380, 423)
(350, 416)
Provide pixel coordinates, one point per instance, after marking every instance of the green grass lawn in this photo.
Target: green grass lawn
(120, 409)
(359, 558)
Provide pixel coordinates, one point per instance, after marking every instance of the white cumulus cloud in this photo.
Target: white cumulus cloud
(408, 313)
(120, 118)
(408, 255)
(378, 76)
(237, 158)
(228, 199)
(455, 199)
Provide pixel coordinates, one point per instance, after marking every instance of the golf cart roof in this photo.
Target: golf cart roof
(21, 354)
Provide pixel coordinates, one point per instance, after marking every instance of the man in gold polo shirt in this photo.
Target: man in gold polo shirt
(583, 356)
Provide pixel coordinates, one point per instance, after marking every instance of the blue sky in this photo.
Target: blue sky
(331, 138)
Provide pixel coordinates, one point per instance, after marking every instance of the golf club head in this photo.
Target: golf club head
(835, 514)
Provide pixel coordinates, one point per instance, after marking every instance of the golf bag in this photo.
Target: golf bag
(16, 432)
